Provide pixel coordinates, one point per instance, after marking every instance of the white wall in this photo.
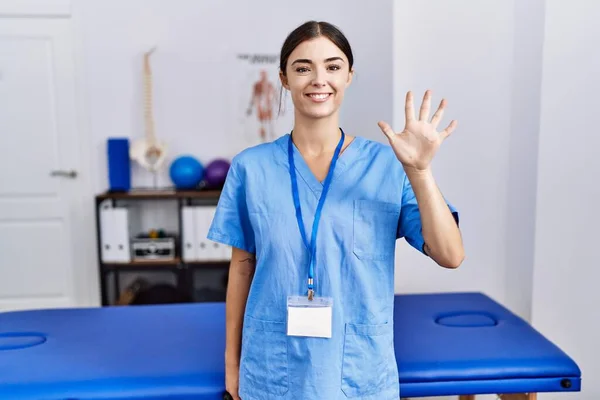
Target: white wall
(35, 8)
(463, 51)
(528, 43)
(566, 271)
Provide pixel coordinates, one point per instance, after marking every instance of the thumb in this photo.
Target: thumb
(386, 129)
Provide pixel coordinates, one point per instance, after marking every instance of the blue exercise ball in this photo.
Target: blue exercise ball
(186, 172)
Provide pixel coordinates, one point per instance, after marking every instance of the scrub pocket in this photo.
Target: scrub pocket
(368, 365)
(264, 355)
(375, 229)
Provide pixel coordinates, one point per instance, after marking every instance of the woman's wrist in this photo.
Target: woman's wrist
(421, 180)
(414, 174)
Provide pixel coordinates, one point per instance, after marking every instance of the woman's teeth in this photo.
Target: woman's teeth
(319, 96)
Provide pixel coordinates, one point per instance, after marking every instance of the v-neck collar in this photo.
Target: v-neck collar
(304, 171)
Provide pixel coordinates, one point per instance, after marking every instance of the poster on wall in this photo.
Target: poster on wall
(261, 110)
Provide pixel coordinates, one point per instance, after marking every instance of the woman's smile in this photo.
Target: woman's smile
(319, 97)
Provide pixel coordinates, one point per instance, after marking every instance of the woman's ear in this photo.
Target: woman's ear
(284, 81)
(350, 77)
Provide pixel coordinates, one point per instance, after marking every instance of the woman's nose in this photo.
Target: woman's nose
(319, 78)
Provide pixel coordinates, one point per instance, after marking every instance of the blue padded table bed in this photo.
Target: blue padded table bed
(446, 344)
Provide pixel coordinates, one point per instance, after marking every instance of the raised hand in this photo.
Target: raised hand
(416, 145)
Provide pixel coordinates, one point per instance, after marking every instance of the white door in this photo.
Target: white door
(39, 150)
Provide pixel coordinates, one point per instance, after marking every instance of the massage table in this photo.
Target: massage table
(446, 344)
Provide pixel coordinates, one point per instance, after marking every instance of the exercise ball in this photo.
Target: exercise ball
(186, 172)
(216, 172)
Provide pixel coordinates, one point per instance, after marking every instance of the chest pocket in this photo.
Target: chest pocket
(375, 224)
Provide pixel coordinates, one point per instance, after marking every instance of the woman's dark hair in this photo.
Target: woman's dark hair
(312, 30)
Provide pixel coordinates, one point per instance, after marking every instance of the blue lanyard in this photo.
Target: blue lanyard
(312, 247)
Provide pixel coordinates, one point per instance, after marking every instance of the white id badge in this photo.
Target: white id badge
(309, 317)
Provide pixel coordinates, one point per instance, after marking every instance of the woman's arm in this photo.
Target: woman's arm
(241, 272)
(443, 241)
(415, 147)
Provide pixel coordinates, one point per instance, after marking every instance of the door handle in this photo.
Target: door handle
(66, 174)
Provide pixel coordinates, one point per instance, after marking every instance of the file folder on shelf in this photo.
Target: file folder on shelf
(114, 235)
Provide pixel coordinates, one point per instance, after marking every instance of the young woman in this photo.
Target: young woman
(313, 218)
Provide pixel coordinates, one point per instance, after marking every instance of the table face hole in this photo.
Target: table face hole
(467, 320)
(20, 340)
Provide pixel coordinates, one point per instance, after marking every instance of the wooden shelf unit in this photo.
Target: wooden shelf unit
(182, 269)
(143, 194)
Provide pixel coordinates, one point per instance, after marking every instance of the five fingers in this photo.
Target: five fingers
(423, 115)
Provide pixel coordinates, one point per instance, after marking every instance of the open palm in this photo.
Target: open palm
(417, 144)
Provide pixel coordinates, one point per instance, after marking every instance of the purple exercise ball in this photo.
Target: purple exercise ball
(216, 172)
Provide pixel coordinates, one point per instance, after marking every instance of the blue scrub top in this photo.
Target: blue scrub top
(369, 205)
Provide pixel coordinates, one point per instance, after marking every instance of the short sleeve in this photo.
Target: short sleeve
(231, 223)
(409, 224)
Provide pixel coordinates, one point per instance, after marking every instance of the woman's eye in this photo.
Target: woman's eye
(333, 67)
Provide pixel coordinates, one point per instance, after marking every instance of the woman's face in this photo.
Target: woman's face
(317, 76)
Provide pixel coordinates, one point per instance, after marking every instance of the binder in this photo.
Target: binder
(106, 243)
(203, 245)
(121, 235)
(114, 235)
(189, 251)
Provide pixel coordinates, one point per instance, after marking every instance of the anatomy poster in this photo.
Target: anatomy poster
(258, 114)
